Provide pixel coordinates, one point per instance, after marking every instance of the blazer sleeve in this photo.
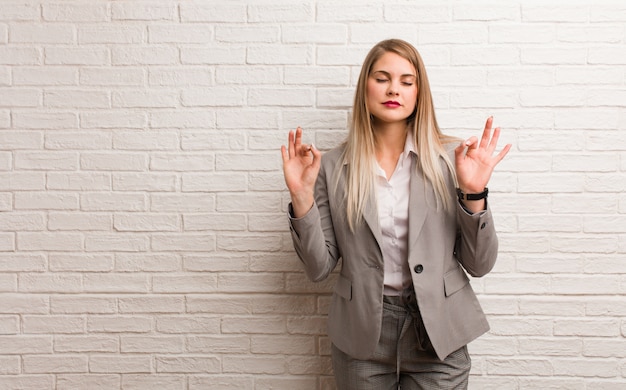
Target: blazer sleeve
(477, 243)
(313, 234)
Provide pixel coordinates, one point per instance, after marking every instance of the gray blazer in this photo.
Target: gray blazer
(443, 246)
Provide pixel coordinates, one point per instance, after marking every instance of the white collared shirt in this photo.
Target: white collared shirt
(393, 213)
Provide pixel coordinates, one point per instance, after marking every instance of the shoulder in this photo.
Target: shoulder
(450, 144)
(333, 157)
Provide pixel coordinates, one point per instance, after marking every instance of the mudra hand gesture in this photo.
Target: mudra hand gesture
(475, 162)
(301, 164)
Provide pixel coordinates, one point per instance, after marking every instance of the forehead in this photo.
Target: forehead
(394, 64)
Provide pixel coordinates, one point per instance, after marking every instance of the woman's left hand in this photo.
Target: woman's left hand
(475, 161)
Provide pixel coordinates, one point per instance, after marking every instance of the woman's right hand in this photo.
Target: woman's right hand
(301, 164)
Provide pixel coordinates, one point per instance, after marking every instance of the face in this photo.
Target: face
(392, 89)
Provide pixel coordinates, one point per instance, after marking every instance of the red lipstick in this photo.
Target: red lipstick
(391, 104)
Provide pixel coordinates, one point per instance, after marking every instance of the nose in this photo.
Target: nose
(392, 90)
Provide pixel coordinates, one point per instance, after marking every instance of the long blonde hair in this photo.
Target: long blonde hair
(359, 151)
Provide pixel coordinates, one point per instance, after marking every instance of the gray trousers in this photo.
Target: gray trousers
(404, 358)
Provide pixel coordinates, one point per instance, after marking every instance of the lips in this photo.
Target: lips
(391, 104)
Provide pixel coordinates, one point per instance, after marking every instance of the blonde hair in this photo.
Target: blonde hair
(359, 151)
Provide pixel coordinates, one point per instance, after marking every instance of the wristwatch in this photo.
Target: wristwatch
(479, 196)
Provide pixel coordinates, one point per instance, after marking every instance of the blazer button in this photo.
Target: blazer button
(418, 269)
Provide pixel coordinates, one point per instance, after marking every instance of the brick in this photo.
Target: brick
(79, 262)
(113, 202)
(55, 76)
(285, 97)
(113, 119)
(184, 242)
(153, 55)
(11, 55)
(358, 12)
(9, 325)
(111, 34)
(213, 97)
(16, 11)
(79, 181)
(152, 304)
(255, 283)
(42, 34)
(146, 222)
(553, 13)
(280, 12)
(46, 201)
(120, 364)
(56, 283)
(115, 283)
(279, 55)
(268, 365)
(77, 56)
(264, 34)
(187, 364)
(118, 161)
(82, 141)
(52, 161)
(49, 241)
(147, 263)
(217, 55)
(211, 140)
(287, 345)
(22, 222)
(192, 203)
(153, 381)
(15, 345)
(213, 12)
(75, 12)
(122, 242)
(254, 325)
(184, 284)
(218, 344)
(152, 344)
(81, 304)
(144, 182)
(181, 162)
(119, 324)
(10, 365)
(115, 76)
(91, 343)
(77, 99)
(147, 99)
(13, 97)
(213, 222)
(190, 33)
(143, 10)
(182, 119)
(217, 182)
(44, 382)
(154, 140)
(221, 382)
(182, 325)
(44, 120)
(92, 381)
(180, 76)
(247, 119)
(586, 368)
(520, 367)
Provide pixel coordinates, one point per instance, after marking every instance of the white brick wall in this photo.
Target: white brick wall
(143, 240)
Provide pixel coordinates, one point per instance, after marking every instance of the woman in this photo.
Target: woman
(404, 206)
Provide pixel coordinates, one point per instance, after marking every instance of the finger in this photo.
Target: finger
(317, 158)
(502, 153)
(494, 141)
(459, 150)
(471, 143)
(290, 145)
(484, 141)
(298, 137)
(284, 153)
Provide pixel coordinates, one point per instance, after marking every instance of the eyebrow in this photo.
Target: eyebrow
(389, 75)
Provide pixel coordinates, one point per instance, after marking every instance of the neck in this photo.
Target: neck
(390, 138)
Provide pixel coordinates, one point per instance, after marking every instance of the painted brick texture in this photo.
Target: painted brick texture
(143, 234)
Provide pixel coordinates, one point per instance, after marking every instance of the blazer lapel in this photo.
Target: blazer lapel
(370, 215)
(419, 201)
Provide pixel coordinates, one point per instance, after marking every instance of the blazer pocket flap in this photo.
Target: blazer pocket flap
(343, 288)
(454, 280)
